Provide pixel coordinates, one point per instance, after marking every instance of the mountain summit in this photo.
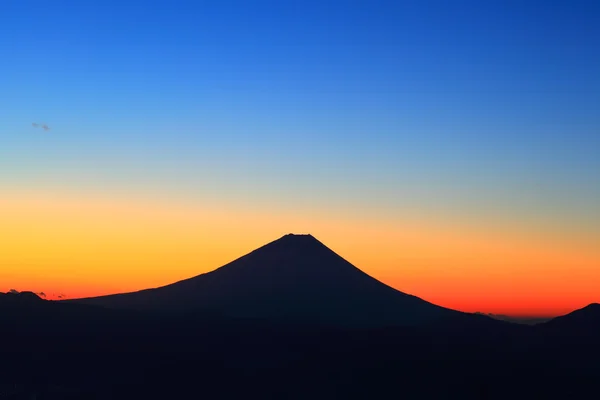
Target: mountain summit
(295, 278)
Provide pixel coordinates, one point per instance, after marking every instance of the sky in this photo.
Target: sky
(449, 149)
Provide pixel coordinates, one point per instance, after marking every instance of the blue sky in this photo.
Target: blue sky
(473, 106)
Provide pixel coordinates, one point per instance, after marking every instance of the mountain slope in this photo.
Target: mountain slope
(294, 278)
(584, 320)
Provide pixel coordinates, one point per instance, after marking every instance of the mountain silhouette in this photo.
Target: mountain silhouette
(584, 320)
(295, 278)
(20, 298)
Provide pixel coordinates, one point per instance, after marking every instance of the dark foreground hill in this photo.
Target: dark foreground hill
(585, 321)
(295, 278)
(291, 320)
(64, 350)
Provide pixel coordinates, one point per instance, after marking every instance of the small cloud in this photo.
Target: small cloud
(13, 291)
(43, 126)
(42, 294)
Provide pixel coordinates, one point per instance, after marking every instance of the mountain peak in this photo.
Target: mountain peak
(288, 247)
(299, 234)
(298, 237)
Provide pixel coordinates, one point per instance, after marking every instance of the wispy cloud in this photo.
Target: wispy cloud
(43, 126)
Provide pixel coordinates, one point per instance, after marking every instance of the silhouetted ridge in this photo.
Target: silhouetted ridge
(21, 297)
(295, 278)
(586, 319)
(594, 307)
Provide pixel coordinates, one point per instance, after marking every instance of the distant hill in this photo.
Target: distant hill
(19, 298)
(295, 278)
(584, 320)
(516, 320)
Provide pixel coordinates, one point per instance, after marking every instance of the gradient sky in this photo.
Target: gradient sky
(449, 148)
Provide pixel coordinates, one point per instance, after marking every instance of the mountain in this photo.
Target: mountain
(18, 300)
(21, 297)
(584, 320)
(295, 278)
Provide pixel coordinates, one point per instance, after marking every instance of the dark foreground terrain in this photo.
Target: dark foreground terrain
(290, 320)
(72, 351)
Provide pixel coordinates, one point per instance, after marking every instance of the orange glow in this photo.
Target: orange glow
(86, 246)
